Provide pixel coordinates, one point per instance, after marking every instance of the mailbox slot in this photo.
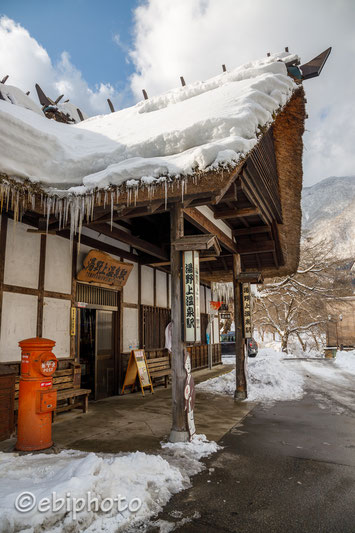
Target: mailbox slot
(46, 401)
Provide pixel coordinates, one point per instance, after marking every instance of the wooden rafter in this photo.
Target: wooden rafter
(199, 220)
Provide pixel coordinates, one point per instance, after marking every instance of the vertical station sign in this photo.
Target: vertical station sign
(191, 296)
(247, 310)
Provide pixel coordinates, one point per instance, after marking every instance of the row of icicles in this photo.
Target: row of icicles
(72, 211)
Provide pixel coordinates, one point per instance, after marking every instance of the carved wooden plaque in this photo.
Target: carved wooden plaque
(101, 268)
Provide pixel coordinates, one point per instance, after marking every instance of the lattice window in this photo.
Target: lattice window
(93, 295)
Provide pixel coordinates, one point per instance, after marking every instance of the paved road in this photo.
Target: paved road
(287, 468)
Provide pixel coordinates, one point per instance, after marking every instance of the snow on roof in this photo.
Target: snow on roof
(72, 110)
(200, 126)
(15, 96)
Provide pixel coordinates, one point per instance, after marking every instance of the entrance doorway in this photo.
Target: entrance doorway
(98, 342)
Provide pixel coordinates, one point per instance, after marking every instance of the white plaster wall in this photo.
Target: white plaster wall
(82, 253)
(56, 325)
(22, 256)
(108, 240)
(208, 299)
(216, 338)
(202, 299)
(130, 290)
(147, 286)
(57, 275)
(19, 322)
(130, 328)
(161, 289)
(219, 223)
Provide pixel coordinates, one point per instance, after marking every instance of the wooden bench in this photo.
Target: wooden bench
(73, 398)
(159, 367)
(66, 381)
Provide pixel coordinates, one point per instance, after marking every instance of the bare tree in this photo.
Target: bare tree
(296, 304)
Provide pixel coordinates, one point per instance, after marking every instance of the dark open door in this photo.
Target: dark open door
(105, 358)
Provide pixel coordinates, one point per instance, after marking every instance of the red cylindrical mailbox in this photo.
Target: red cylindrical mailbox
(37, 399)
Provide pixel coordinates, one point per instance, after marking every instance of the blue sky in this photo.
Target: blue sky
(84, 28)
(91, 50)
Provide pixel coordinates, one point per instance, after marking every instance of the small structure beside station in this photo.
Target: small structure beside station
(114, 227)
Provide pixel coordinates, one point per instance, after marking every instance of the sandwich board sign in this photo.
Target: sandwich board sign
(137, 364)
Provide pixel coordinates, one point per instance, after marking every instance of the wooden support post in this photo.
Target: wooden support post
(179, 432)
(74, 339)
(241, 382)
(40, 304)
(3, 238)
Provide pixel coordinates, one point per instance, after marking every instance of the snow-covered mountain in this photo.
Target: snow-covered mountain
(328, 209)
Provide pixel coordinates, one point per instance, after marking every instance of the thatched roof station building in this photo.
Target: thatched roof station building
(214, 166)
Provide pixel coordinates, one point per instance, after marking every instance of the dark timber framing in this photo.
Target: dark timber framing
(179, 432)
(241, 382)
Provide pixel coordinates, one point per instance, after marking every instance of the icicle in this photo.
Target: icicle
(105, 199)
(166, 195)
(112, 195)
(48, 207)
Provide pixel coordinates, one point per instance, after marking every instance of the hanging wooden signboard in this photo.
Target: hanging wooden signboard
(102, 269)
(191, 296)
(137, 365)
(247, 310)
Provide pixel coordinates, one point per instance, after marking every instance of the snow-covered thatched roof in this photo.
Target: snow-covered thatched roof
(197, 128)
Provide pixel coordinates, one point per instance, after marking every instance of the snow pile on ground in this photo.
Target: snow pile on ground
(269, 379)
(197, 127)
(188, 455)
(346, 361)
(146, 482)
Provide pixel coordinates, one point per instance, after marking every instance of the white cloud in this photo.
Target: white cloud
(194, 38)
(27, 63)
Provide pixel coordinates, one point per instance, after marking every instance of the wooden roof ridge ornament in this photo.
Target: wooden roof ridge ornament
(110, 104)
(44, 100)
(206, 243)
(313, 68)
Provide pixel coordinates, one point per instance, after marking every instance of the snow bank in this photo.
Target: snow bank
(148, 480)
(197, 127)
(345, 361)
(270, 379)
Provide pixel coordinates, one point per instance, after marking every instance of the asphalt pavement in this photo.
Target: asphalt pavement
(286, 468)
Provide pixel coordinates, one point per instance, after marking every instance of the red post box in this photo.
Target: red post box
(37, 399)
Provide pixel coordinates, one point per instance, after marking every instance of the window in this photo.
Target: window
(153, 323)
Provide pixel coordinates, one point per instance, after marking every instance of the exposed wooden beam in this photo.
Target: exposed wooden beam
(237, 213)
(100, 245)
(203, 223)
(167, 263)
(251, 231)
(255, 198)
(250, 277)
(256, 247)
(136, 242)
(229, 192)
